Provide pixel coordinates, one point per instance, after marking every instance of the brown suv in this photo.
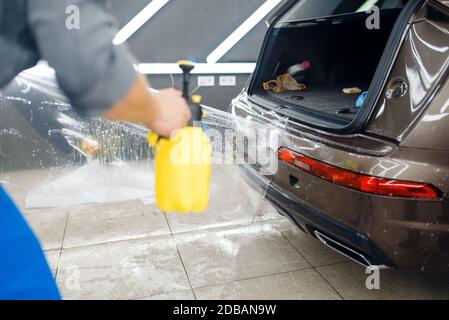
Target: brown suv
(364, 164)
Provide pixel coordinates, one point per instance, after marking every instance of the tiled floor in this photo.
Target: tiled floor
(129, 250)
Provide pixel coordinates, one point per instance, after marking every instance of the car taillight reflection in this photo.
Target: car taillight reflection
(361, 182)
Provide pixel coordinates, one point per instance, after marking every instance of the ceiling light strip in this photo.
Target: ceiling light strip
(367, 5)
(139, 20)
(242, 30)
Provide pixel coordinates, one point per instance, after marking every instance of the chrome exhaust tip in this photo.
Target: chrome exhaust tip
(348, 252)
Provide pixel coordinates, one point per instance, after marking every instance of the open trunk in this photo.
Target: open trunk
(343, 53)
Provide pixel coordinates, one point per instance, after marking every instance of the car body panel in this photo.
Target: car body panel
(422, 64)
(432, 131)
(394, 225)
(444, 2)
(398, 143)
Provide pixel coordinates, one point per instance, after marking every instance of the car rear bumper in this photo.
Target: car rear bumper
(332, 233)
(406, 233)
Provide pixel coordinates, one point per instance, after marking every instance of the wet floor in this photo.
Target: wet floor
(131, 250)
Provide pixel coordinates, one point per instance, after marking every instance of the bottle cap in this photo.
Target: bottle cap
(196, 99)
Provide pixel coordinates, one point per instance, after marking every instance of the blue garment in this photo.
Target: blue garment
(24, 271)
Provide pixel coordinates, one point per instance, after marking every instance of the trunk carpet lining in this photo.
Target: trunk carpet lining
(322, 98)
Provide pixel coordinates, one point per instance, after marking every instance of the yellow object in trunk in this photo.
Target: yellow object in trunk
(183, 170)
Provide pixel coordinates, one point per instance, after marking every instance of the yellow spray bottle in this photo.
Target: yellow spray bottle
(183, 162)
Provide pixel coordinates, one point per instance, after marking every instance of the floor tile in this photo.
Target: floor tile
(349, 280)
(95, 183)
(112, 222)
(178, 295)
(17, 194)
(298, 285)
(232, 203)
(122, 270)
(49, 226)
(223, 255)
(20, 183)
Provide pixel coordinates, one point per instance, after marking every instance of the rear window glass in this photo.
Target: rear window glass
(309, 9)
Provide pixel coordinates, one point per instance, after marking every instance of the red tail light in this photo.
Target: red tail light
(361, 182)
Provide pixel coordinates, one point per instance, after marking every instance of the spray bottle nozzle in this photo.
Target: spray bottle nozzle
(194, 102)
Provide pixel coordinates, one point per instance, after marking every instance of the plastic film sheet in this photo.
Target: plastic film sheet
(50, 157)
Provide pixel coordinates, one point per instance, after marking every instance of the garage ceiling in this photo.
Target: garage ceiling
(191, 28)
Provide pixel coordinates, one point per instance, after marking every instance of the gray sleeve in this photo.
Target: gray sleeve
(92, 72)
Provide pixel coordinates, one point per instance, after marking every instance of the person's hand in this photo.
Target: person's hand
(169, 112)
(162, 112)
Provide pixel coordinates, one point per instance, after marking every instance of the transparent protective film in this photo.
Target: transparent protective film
(111, 163)
(53, 158)
(244, 162)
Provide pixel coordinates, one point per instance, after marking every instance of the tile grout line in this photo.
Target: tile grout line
(62, 245)
(179, 255)
(327, 281)
(313, 267)
(162, 234)
(155, 295)
(253, 278)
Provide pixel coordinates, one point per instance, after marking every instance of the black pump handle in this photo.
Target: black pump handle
(195, 108)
